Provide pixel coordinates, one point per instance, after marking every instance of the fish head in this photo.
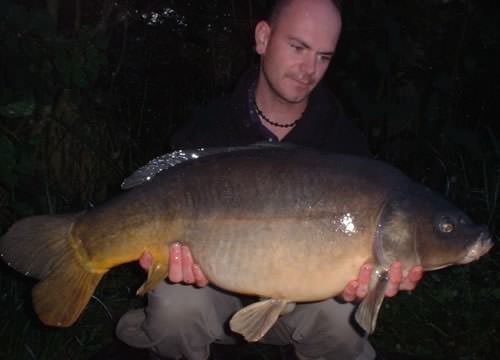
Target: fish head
(417, 226)
(444, 234)
(420, 227)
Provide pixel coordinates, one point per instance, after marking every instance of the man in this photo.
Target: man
(282, 101)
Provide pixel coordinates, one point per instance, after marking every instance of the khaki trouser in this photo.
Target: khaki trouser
(181, 321)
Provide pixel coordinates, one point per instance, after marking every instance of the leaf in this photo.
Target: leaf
(18, 109)
(8, 161)
(496, 293)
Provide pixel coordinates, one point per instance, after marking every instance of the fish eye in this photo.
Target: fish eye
(446, 225)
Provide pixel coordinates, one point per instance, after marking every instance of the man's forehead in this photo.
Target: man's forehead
(287, 8)
(310, 23)
(299, 13)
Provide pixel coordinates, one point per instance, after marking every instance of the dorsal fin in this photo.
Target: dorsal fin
(163, 162)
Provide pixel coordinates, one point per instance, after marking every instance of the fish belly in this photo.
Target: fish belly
(286, 258)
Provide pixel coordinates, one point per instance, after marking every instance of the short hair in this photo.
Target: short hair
(278, 6)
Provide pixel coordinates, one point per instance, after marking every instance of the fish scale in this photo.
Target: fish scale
(283, 223)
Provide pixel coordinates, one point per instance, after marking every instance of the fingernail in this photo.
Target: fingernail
(185, 251)
(361, 291)
(176, 252)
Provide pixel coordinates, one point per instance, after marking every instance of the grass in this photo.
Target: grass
(24, 337)
(451, 315)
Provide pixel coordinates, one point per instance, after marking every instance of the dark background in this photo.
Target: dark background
(90, 90)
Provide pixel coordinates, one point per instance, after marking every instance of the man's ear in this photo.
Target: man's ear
(262, 34)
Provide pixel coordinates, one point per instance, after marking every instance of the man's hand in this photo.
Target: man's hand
(181, 267)
(357, 289)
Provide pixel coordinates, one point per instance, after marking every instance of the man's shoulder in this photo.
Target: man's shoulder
(217, 110)
(212, 122)
(325, 98)
(329, 128)
(232, 102)
(216, 104)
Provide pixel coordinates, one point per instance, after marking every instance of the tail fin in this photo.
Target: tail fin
(42, 247)
(35, 245)
(61, 297)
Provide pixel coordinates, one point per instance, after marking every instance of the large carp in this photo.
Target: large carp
(286, 224)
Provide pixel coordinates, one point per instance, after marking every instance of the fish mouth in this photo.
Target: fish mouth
(482, 245)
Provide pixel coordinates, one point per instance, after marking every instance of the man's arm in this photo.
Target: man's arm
(183, 269)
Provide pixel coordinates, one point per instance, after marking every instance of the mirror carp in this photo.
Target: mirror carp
(284, 223)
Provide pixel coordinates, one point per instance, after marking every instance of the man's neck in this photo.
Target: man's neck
(275, 108)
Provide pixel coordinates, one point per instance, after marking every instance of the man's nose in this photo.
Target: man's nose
(309, 64)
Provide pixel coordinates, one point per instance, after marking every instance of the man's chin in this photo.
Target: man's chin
(294, 96)
(297, 99)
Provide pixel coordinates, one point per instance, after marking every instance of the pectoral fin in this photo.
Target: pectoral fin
(255, 320)
(367, 312)
(157, 272)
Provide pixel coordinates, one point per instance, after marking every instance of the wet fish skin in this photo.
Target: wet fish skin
(288, 224)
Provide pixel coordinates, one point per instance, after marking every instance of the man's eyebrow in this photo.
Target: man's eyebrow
(307, 46)
(301, 42)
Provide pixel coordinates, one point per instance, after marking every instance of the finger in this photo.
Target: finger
(364, 280)
(395, 277)
(199, 277)
(187, 265)
(349, 293)
(416, 274)
(146, 260)
(411, 281)
(175, 263)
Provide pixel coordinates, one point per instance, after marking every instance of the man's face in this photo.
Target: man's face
(296, 48)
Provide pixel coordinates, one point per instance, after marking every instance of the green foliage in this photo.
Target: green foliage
(19, 109)
(451, 315)
(38, 61)
(24, 337)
